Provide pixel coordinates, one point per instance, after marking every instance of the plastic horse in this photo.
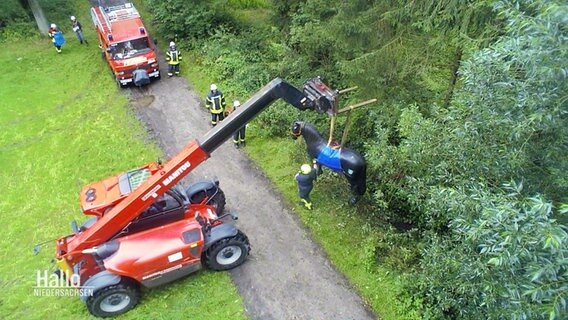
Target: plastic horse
(349, 162)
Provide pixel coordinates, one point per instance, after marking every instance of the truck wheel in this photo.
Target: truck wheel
(228, 253)
(113, 300)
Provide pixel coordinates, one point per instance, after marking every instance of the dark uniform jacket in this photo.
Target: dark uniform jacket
(215, 101)
(305, 183)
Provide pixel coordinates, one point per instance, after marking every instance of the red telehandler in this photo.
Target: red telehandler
(147, 230)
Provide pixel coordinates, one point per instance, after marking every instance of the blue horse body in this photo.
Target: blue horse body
(331, 158)
(349, 162)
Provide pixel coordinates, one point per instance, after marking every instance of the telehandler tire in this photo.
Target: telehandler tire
(228, 253)
(114, 300)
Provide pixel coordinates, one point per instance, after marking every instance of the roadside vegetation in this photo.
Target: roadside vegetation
(465, 214)
(64, 124)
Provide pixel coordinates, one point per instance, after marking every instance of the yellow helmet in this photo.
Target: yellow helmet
(305, 169)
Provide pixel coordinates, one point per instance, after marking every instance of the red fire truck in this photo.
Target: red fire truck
(125, 44)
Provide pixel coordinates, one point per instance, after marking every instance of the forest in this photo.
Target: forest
(467, 147)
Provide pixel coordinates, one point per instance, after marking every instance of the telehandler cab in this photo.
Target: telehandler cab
(147, 230)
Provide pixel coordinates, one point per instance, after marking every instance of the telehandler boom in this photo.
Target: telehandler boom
(151, 235)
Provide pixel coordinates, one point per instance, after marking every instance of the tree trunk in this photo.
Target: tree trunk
(40, 19)
(454, 76)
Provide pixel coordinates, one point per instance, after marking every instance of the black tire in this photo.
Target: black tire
(218, 200)
(113, 300)
(228, 253)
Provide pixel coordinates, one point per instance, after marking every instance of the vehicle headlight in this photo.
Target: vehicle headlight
(120, 73)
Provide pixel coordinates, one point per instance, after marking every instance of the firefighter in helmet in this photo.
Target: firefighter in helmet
(215, 102)
(305, 179)
(173, 57)
(78, 29)
(56, 37)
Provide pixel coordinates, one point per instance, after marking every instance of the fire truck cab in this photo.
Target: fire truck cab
(125, 44)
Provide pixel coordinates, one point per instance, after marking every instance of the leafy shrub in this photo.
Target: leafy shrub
(247, 4)
(504, 257)
(18, 31)
(58, 11)
(12, 11)
(188, 20)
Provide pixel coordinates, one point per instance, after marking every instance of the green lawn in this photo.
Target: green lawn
(64, 124)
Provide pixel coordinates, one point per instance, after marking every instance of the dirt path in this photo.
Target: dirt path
(287, 275)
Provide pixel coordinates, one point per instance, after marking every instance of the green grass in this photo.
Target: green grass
(64, 124)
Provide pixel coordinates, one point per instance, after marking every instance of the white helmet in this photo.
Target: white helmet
(53, 26)
(172, 44)
(213, 87)
(72, 18)
(305, 168)
(236, 103)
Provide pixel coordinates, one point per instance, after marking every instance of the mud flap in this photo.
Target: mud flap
(195, 191)
(99, 281)
(219, 232)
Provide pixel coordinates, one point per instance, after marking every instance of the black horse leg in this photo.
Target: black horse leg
(319, 168)
(358, 183)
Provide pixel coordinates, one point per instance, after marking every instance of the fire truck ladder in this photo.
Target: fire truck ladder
(122, 12)
(103, 17)
(100, 19)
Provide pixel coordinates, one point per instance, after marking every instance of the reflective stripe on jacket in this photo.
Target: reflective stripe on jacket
(215, 102)
(173, 56)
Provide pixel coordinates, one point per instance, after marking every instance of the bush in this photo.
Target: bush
(58, 12)
(188, 20)
(12, 11)
(247, 4)
(503, 257)
(18, 31)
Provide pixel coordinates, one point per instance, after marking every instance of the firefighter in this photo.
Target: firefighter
(78, 29)
(216, 104)
(239, 136)
(305, 179)
(173, 57)
(56, 37)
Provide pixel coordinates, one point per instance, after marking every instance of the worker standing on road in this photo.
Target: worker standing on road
(216, 104)
(173, 57)
(56, 37)
(78, 29)
(305, 179)
(239, 136)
